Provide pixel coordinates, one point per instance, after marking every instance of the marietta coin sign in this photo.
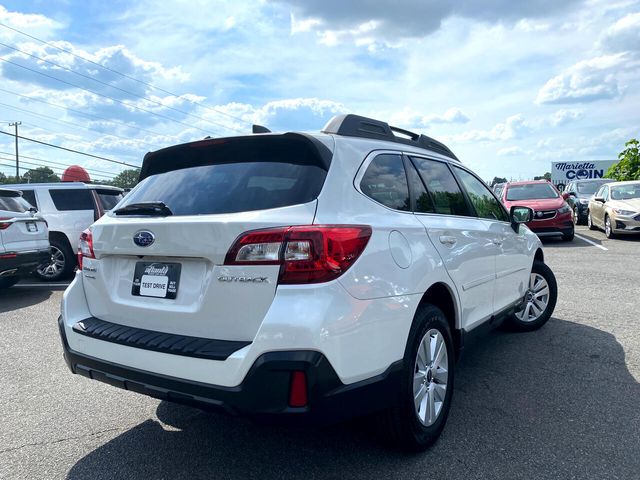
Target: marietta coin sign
(565, 172)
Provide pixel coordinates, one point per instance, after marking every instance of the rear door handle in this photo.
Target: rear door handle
(448, 240)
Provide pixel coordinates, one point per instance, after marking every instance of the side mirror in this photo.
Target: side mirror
(565, 195)
(519, 215)
(599, 199)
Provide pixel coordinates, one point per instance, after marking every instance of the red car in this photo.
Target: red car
(551, 214)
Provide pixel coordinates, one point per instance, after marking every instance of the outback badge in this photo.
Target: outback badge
(144, 238)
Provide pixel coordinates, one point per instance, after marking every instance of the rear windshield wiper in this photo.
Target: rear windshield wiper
(145, 208)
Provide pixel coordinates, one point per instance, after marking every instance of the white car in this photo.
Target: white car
(306, 277)
(69, 208)
(24, 238)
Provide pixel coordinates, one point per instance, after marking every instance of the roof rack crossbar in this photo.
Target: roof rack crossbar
(351, 125)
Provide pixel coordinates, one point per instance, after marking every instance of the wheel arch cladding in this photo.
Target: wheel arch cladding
(61, 236)
(440, 296)
(539, 255)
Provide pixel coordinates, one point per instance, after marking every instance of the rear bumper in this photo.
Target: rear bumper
(264, 392)
(21, 264)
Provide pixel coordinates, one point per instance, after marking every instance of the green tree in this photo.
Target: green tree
(126, 178)
(546, 176)
(628, 166)
(40, 175)
(498, 180)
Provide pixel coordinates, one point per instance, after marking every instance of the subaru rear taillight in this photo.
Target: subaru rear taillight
(306, 254)
(5, 223)
(85, 247)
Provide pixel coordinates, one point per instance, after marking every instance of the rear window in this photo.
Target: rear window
(589, 188)
(72, 199)
(531, 191)
(13, 202)
(109, 198)
(231, 187)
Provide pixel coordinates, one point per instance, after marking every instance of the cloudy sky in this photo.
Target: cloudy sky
(509, 86)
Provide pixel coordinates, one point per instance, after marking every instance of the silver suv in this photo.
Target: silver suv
(69, 208)
(311, 277)
(24, 242)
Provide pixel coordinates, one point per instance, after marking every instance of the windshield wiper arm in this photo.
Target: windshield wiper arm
(145, 208)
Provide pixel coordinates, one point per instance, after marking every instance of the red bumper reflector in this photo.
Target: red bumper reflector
(298, 390)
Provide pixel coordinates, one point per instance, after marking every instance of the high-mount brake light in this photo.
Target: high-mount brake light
(85, 247)
(306, 254)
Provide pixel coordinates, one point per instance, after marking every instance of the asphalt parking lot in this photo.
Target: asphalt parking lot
(562, 402)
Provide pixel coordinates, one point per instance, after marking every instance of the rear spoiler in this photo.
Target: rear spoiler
(295, 148)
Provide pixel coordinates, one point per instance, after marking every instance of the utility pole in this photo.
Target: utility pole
(17, 160)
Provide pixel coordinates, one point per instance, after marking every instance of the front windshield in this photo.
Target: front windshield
(626, 192)
(589, 188)
(531, 191)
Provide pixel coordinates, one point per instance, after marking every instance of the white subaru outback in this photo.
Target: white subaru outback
(306, 277)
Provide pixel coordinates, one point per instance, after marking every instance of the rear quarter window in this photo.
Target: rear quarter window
(66, 199)
(108, 198)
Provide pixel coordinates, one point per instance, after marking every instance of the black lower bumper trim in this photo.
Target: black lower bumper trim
(24, 263)
(263, 394)
(208, 348)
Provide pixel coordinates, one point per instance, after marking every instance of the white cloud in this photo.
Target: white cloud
(513, 127)
(511, 152)
(564, 116)
(338, 21)
(586, 81)
(624, 35)
(34, 23)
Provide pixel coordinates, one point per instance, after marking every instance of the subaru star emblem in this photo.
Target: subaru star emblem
(144, 238)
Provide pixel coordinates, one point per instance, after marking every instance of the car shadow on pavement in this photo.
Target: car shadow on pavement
(16, 298)
(556, 403)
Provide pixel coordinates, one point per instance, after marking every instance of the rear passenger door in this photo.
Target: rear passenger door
(466, 244)
(513, 262)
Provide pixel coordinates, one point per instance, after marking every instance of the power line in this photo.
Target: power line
(89, 169)
(108, 177)
(84, 114)
(122, 74)
(54, 119)
(57, 132)
(72, 150)
(89, 77)
(103, 95)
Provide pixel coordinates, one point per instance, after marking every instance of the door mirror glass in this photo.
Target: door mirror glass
(521, 215)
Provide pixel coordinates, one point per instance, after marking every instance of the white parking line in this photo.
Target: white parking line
(31, 285)
(592, 243)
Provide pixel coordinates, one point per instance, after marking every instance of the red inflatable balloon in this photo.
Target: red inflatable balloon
(75, 173)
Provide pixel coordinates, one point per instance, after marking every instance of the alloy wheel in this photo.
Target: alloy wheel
(607, 226)
(54, 266)
(430, 377)
(536, 299)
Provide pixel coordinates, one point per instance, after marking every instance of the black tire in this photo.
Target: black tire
(576, 216)
(49, 272)
(401, 422)
(590, 221)
(608, 230)
(567, 237)
(521, 325)
(8, 282)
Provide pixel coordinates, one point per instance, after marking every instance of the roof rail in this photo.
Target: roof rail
(351, 125)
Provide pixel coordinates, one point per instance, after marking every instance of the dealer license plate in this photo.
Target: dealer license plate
(156, 279)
